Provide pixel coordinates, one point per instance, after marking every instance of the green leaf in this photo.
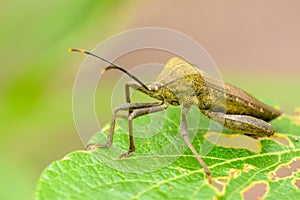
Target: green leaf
(163, 167)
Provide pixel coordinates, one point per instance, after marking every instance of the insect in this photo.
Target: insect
(181, 83)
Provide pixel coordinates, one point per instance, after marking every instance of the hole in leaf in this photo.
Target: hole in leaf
(297, 183)
(282, 139)
(285, 171)
(220, 183)
(234, 141)
(248, 167)
(255, 191)
(234, 173)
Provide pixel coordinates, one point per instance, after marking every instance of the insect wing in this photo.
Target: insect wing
(175, 69)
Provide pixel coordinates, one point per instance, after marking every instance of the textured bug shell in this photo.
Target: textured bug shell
(175, 69)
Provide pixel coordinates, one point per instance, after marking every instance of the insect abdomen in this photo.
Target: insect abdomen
(237, 101)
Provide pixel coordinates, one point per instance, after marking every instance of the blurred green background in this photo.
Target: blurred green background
(256, 46)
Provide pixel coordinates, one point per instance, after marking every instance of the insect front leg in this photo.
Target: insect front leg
(127, 98)
(135, 114)
(122, 107)
(184, 133)
(245, 124)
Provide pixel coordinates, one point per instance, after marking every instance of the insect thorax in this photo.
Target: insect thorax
(187, 90)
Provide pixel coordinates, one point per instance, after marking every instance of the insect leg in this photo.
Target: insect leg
(245, 124)
(127, 91)
(135, 114)
(127, 97)
(184, 133)
(121, 107)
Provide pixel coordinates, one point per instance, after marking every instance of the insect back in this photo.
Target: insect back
(181, 83)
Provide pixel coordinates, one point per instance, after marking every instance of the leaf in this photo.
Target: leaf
(162, 167)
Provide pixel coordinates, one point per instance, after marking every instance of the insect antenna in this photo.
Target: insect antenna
(112, 66)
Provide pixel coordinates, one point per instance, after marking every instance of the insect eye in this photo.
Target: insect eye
(155, 87)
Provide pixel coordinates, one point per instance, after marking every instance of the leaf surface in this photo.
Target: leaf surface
(162, 166)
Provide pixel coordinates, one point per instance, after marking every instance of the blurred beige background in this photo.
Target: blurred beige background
(255, 44)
